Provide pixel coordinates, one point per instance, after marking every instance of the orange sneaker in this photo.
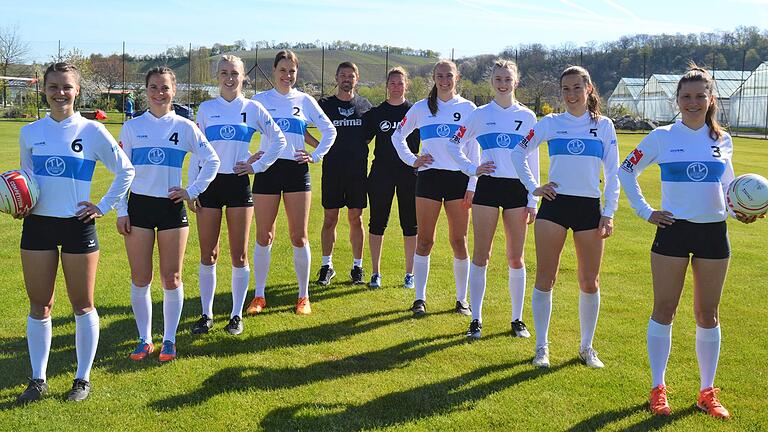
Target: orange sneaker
(709, 403)
(303, 307)
(168, 352)
(257, 305)
(658, 401)
(142, 351)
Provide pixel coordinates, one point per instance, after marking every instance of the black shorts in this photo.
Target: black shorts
(227, 190)
(343, 189)
(504, 192)
(574, 212)
(48, 233)
(441, 185)
(284, 176)
(153, 212)
(382, 185)
(684, 238)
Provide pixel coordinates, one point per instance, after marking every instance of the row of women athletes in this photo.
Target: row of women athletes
(496, 143)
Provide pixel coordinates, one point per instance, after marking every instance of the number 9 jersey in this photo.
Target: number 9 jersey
(62, 155)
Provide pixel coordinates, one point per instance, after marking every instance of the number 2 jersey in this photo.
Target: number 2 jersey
(62, 155)
(695, 172)
(497, 131)
(436, 131)
(229, 126)
(292, 112)
(578, 146)
(157, 148)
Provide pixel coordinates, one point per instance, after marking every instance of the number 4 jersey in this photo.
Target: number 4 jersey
(695, 170)
(62, 155)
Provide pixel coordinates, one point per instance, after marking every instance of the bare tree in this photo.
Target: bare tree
(12, 51)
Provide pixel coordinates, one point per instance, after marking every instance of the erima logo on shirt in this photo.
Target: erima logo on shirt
(561, 132)
(55, 166)
(41, 143)
(503, 140)
(284, 124)
(346, 112)
(443, 130)
(491, 124)
(678, 150)
(697, 171)
(576, 146)
(142, 136)
(227, 132)
(156, 156)
(214, 116)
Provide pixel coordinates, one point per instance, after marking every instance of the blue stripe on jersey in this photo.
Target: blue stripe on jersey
(444, 130)
(498, 140)
(236, 132)
(692, 172)
(291, 125)
(64, 166)
(576, 147)
(164, 156)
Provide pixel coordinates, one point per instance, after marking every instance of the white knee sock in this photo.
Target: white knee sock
(541, 305)
(517, 291)
(589, 309)
(302, 259)
(421, 275)
(708, 353)
(241, 276)
(262, 255)
(207, 278)
(477, 290)
(39, 334)
(461, 275)
(173, 303)
(141, 303)
(86, 341)
(659, 345)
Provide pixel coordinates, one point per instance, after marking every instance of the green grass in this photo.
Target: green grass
(360, 362)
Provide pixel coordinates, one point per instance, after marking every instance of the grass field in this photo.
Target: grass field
(360, 362)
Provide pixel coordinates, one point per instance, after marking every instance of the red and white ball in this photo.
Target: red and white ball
(748, 195)
(18, 191)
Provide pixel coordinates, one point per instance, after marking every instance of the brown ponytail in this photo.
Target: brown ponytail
(593, 98)
(696, 73)
(432, 98)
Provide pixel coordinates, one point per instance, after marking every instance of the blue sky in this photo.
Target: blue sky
(468, 26)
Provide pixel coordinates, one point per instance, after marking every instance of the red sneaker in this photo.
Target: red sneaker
(658, 401)
(709, 403)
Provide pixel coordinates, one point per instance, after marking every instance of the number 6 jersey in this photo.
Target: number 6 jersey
(62, 155)
(695, 171)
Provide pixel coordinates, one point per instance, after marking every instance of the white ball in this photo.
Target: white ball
(18, 191)
(748, 195)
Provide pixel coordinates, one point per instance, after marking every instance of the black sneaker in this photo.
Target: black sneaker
(202, 325)
(235, 326)
(357, 274)
(80, 390)
(462, 308)
(325, 274)
(35, 391)
(419, 308)
(520, 330)
(475, 328)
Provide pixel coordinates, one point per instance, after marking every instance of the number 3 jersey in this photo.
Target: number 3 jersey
(695, 171)
(578, 147)
(229, 126)
(436, 131)
(62, 155)
(157, 147)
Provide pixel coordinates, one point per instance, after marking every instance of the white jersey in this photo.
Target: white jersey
(578, 146)
(292, 112)
(695, 172)
(497, 131)
(62, 155)
(157, 148)
(436, 131)
(229, 126)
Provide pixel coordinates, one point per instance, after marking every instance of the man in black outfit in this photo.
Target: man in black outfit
(344, 172)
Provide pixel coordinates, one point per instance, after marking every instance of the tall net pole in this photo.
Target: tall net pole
(189, 78)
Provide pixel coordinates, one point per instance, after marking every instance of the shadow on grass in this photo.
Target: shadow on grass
(404, 406)
(651, 422)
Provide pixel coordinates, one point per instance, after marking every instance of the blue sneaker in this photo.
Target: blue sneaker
(168, 352)
(408, 281)
(142, 351)
(375, 281)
